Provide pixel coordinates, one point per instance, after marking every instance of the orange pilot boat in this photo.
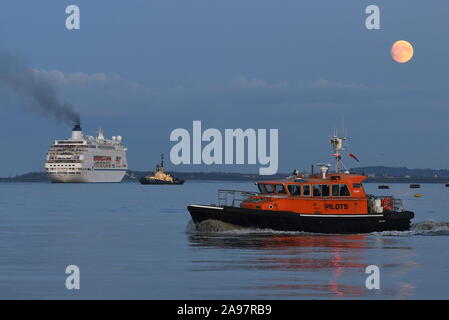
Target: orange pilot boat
(328, 202)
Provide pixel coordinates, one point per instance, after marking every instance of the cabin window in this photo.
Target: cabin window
(306, 190)
(356, 185)
(321, 190)
(294, 189)
(344, 191)
(279, 188)
(325, 189)
(266, 188)
(317, 190)
(340, 190)
(335, 190)
(269, 188)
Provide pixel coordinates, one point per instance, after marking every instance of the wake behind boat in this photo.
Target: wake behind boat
(322, 203)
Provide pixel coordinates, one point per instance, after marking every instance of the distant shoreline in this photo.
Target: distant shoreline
(224, 176)
(367, 181)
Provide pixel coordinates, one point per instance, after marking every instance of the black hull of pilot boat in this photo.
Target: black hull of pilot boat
(289, 221)
(155, 181)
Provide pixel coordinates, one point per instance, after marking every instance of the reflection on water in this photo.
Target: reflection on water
(304, 265)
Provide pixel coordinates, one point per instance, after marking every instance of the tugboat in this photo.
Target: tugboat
(160, 177)
(321, 203)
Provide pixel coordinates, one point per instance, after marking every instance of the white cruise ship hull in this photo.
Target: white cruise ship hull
(86, 159)
(102, 176)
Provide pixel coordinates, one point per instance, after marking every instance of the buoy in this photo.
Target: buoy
(418, 195)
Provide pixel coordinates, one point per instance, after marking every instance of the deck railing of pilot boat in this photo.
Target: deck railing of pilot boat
(233, 198)
(397, 203)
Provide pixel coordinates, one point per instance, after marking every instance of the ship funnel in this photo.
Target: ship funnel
(77, 133)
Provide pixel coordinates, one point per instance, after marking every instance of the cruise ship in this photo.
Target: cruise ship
(86, 158)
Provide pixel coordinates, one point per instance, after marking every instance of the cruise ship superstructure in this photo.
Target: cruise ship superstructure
(86, 158)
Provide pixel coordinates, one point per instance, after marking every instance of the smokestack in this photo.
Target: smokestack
(77, 132)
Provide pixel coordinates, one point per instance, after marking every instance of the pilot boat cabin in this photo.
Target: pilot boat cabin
(336, 193)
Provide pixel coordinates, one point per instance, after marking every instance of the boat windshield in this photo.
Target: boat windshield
(271, 188)
(279, 188)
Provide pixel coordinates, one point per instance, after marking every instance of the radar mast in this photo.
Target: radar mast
(337, 143)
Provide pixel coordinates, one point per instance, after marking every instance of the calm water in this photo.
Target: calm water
(133, 241)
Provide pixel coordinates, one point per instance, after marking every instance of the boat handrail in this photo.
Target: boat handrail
(234, 197)
(397, 203)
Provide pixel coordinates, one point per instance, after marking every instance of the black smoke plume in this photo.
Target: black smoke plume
(16, 75)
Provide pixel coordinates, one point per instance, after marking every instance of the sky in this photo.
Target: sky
(141, 69)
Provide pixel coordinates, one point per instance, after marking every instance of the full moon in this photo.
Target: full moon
(402, 51)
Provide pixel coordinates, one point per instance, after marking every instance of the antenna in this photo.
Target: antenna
(100, 133)
(337, 143)
(343, 126)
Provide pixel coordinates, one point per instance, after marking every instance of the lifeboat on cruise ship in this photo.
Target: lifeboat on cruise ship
(327, 202)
